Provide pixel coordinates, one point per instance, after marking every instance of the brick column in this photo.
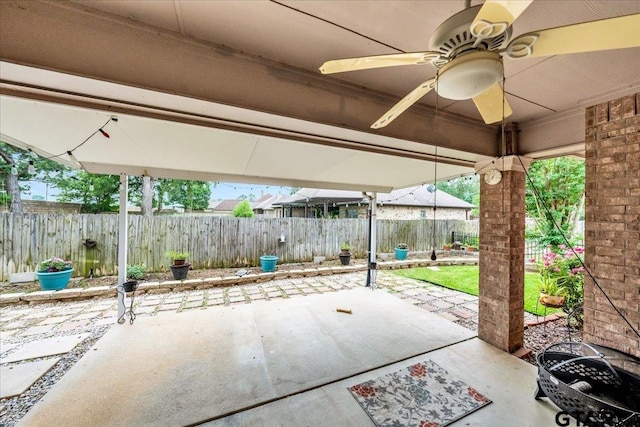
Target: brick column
(502, 223)
(612, 226)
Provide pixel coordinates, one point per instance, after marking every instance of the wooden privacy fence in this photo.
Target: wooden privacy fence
(212, 241)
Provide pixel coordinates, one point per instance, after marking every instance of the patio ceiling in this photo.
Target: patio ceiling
(230, 90)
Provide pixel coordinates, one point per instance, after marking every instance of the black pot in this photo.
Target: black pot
(180, 271)
(130, 286)
(345, 259)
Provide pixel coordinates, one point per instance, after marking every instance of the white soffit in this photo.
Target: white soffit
(140, 145)
(95, 89)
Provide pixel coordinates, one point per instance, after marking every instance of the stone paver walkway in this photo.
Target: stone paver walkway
(25, 325)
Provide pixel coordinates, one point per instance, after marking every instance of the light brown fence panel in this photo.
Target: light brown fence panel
(211, 241)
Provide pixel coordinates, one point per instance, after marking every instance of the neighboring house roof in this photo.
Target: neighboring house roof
(267, 202)
(225, 205)
(413, 196)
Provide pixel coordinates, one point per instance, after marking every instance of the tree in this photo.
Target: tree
(557, 198)
(465, 188)
(97, 193)
(18, 160)
(243, 210)
(191, 195)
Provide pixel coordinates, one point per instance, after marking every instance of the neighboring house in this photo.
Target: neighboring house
(224, 207)
(45, 207)
(407, 203)
(264, 206)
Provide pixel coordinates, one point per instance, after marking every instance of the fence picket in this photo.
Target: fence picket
(212, 241)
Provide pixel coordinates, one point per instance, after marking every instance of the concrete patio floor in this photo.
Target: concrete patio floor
(283, 362)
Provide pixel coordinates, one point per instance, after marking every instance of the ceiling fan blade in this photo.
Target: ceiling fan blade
(405, 103)
(605, 34)
(495, 17)
(380, 61)
(490, 104)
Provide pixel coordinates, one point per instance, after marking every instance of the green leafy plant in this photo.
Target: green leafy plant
(175, 255)
(55, 264)
(345, 246)
(136, 271)
(243, 210)
(561, 271)
(402, 246)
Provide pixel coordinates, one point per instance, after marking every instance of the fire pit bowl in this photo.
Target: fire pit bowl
(598, 385)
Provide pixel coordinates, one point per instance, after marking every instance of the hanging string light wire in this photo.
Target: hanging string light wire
(70, 152)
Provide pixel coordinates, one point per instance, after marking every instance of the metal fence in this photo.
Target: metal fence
(212, 241)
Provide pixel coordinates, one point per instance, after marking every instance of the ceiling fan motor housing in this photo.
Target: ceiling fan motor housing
(453, 37)
(466, 70)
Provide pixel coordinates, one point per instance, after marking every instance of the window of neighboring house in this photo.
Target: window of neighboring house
(423, 214)
(352, 213)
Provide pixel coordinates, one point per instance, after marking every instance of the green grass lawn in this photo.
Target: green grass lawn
(465, 279)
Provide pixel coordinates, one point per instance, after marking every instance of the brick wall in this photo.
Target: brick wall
(501, 306)
(612, 228)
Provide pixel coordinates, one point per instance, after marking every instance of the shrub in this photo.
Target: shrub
(562, 266)
(243, 210)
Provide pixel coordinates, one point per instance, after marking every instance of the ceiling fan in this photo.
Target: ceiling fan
(467, 49)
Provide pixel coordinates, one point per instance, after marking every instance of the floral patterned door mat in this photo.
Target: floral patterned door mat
(422, 395)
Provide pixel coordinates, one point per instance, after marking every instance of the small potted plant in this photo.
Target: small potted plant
(268, 263)
(470, 247)
(134, 273)
(345, 253)
(54, 273)
(447, 247)
(179, 266)
(401, 250)
(551, 294)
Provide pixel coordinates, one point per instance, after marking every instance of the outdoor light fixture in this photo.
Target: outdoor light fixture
(14, 170)
(31, 169)
(91, 187)
(73, 158)
(32, 154)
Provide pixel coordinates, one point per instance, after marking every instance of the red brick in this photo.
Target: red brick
(612, 226)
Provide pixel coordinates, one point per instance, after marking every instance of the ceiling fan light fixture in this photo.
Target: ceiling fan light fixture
(469, 75)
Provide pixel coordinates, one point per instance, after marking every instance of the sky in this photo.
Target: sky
(223, 190)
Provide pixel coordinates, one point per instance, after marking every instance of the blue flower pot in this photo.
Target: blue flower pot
(54, 281)
(268, 263)
(401, 253)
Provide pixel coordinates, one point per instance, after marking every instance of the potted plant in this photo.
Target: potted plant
(54, 273)
(551, 294)
(345, 254)
(345, 248)
(401, 250)
(447, 247)
(268, 263)
(134, 273)
(179, 267)
(470, 247)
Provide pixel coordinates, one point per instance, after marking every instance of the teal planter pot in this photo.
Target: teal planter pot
(54, 281)
(268, 263)
(401, 253)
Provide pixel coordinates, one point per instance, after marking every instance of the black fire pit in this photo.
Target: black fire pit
(597, 385)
